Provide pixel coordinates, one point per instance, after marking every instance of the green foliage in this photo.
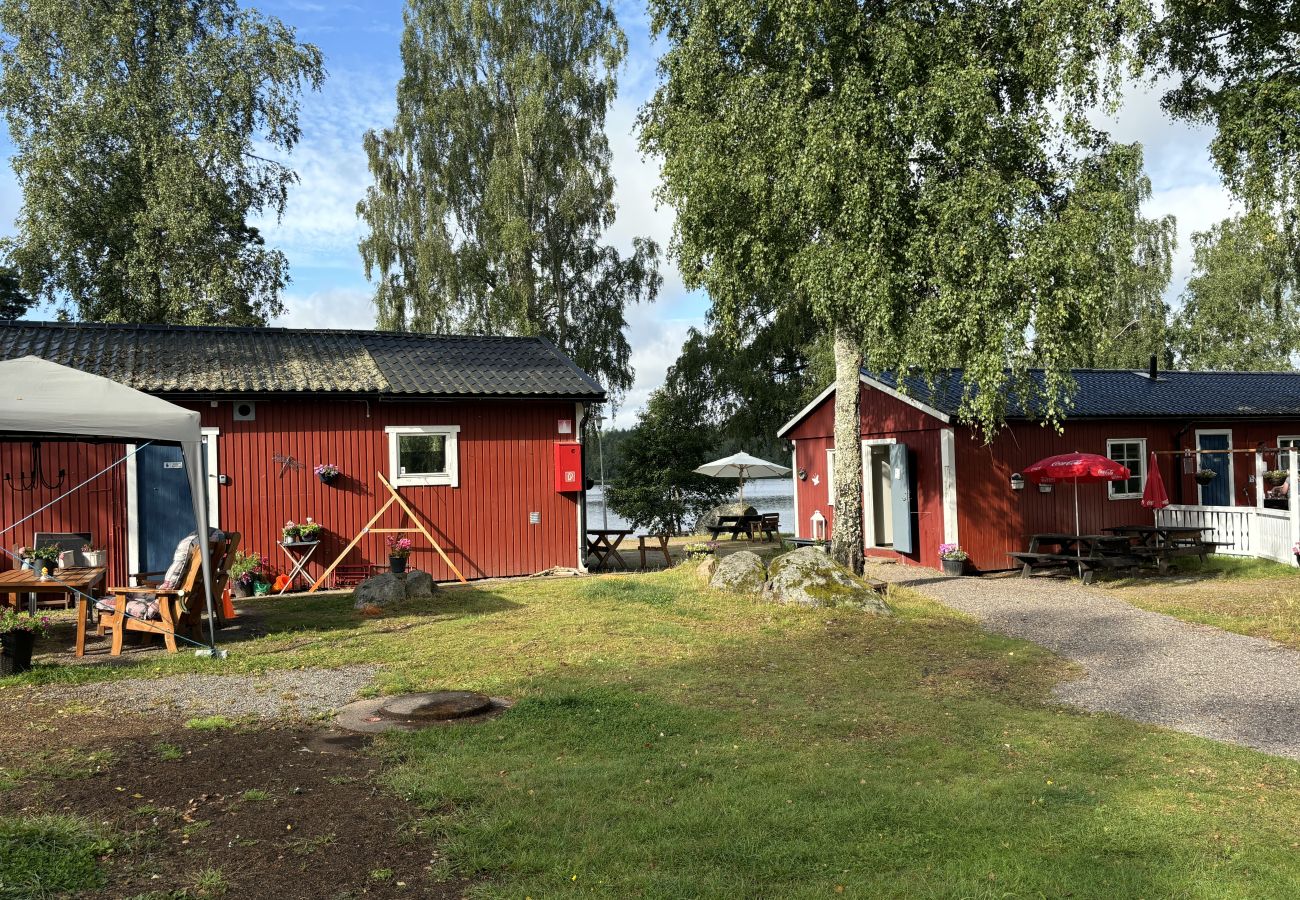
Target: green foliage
(656, 488)
(919, 175)
(137, 127)
(209, 723)
(48, 856)
(1235, 65)
(1239, 310)
(492, 188)
(13, 302)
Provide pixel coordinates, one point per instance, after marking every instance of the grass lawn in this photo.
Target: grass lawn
(1249, 596)
(669, 741)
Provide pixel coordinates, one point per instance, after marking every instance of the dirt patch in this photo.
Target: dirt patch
(270, 817)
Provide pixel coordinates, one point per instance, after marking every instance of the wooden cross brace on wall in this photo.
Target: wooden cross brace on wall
(369, 528)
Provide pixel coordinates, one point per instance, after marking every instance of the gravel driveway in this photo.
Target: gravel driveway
(1141, 665)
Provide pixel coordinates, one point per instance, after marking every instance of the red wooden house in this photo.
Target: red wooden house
(481, 435)
(928, 479)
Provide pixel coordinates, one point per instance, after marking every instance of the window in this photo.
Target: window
(830, 478)
(1284, 458)
(424, 454)
(1131, 452)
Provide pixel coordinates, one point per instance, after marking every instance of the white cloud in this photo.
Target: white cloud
(330, 308)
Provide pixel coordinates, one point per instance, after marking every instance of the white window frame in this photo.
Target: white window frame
(830, 477)
(1142, 461)
(450, 478)
(1277, 463)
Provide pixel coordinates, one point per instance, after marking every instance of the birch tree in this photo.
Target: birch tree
(920, 175)
(492, 189)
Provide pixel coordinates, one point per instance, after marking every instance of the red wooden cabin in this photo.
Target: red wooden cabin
(929, 479)
(473, 430)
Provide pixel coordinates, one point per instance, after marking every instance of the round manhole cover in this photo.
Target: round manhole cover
(438, 705)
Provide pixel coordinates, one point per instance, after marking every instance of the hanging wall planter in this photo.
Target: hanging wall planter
(1205, 476)
(327, 473)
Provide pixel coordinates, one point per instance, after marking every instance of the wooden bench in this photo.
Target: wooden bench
(660, 545)
(770, 525)
(1088, 565)
(798, 542)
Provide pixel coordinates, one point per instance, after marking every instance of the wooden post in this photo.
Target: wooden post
(1293, 500)
(1259, 479)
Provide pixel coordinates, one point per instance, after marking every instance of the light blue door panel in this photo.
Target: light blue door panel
(165, 510)
(901, 498)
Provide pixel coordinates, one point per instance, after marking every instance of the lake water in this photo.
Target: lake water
(767, 495)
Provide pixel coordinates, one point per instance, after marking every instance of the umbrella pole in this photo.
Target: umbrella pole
(742, 485)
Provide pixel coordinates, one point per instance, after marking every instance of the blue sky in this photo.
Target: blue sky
(319, 231)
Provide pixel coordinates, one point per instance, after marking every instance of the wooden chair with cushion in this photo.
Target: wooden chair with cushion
(179, 609)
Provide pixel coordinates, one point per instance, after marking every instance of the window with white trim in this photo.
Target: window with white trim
(424, 455)
(830, 478)
(1131, 452)
(1284, 458)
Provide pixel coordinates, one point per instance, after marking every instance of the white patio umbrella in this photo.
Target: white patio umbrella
(742, 466)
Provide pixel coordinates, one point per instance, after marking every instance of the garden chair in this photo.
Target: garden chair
(156, 608)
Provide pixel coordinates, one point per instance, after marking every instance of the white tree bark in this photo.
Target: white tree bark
(846, 530)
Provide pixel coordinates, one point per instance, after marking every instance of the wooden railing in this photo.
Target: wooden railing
(1239, 530)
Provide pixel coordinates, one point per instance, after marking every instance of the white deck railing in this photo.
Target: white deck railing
(1239, 530)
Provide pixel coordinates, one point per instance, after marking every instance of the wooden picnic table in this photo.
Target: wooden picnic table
(1085, 552)
(736, 526)
(77, 583)
(1161, 543)
(602, 543)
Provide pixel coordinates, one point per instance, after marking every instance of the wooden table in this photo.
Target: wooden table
(736, 525)
(602, 543)
(1085, 552)
(77, 583)
(1161, 543)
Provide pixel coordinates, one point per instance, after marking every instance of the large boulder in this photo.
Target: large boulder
(808, 576)
(704, 569)
(710, 518)
(388, 588)
(742, 572)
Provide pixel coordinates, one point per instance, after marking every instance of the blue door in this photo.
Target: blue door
(900, 496)
(165, 512)
(1219, 491)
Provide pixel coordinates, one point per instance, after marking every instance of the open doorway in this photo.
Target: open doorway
(879, 479)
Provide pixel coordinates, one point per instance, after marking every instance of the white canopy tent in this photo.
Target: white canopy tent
(742, 466)
(39, 399)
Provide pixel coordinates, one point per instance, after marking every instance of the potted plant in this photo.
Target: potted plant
(327, 472)
(95, 557)
(1275, 478)
(45, 559)
(289, 532)
(263, 578)
(700, 549)
(953, 558)
(243, 572)
(309, 532)
(18, 633)
(399, 548)
(1205, 476)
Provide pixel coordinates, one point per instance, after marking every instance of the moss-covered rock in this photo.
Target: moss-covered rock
(808, 576)
(741, 572)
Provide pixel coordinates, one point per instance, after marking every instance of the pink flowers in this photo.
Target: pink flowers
(398, 547)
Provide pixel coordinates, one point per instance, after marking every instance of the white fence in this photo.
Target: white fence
(1240, 530)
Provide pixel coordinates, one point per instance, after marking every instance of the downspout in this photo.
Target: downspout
(579, 429)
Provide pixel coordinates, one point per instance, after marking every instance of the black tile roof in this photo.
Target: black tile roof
(171, 359)
(1120, 393)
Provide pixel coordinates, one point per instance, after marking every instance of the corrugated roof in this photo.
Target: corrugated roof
(1120, 393)
(168, 359)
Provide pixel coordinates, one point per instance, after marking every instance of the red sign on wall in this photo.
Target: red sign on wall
(568, 467)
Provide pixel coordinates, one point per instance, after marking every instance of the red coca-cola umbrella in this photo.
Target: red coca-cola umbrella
(1154, 495)
(1088, 468)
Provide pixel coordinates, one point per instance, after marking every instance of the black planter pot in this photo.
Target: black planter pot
(328, 479)
(16, 652)
(953, 566)
(1204, 479)
(1275, 481)
(240, 590)
(397, 564)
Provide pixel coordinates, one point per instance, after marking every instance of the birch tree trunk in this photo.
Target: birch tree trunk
(846, 529)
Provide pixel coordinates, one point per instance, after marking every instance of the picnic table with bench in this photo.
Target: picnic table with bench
(1124, 547)
(750, 526)
(602, 545)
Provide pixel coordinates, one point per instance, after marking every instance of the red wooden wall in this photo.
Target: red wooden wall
(507, 469)
(993, 519)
